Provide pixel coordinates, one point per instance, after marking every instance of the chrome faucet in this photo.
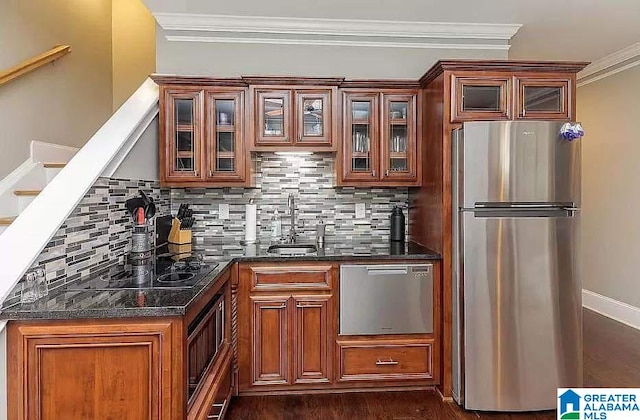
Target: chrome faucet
(291, 203)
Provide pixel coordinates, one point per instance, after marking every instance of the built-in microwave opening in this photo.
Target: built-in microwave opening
(205, 337)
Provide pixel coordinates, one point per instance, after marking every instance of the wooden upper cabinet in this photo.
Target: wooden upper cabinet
(300, 118)
(273, 121)
(480, 98)
(361, 137)
(544, 98)
(181, 156)
(380, 141)
(399, 138)
(202, 137)
(225, 148)
(314, 117)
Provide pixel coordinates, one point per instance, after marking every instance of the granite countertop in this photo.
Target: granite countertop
(68, 302)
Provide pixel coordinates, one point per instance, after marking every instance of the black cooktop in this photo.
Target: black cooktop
(160, 273)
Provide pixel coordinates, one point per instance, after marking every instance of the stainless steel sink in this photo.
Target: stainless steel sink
(292, 249)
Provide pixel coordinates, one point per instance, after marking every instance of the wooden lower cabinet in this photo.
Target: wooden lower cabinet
(286, 321)
(94, 370)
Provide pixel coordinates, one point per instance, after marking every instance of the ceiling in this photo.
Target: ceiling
(552, 29)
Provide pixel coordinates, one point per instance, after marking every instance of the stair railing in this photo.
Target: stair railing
(34, 63)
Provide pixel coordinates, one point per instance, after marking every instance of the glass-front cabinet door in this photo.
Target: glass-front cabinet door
(273, 124)
(480, 98)
(398, 151)
(313, 117)
(543, 98)
(361, 137)
(183, 153)
(225, 136)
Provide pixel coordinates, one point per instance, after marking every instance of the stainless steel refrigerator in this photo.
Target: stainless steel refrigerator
(517, 288)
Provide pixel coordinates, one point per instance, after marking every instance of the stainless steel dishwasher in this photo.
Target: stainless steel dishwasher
(386, 299)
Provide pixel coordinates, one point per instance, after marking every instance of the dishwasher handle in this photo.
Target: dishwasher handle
(387, 270)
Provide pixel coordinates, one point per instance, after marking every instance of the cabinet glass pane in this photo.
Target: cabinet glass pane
(398, 111)
(543, 98)
(184, 111)
(361, 137)
(313, 117)
(273, 117)
(225, 111)
(225, 152)
(481, 98)
(398, 137)
(184, 136)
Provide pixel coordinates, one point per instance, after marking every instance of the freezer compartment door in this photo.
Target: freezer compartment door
(521, 309)
(517, 161)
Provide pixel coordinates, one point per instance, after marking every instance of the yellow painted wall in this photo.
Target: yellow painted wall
(134, 47)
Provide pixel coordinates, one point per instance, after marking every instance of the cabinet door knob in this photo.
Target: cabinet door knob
(211, 173)
(373, 173)
(387, 174)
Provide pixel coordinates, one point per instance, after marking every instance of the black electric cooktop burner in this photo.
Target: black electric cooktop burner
(161, 273)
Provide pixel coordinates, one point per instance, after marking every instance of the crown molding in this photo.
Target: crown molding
(607, 66)
(380, 29)
(338, 43)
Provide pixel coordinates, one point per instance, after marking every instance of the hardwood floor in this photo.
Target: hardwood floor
(610, 360)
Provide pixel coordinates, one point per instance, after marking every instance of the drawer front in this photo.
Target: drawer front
(287, 277)
(384, 361)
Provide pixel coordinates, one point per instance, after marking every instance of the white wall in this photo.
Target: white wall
(142, 160)
(3, 373)
(228, 60)
(134, 47)
(65, 102)
(610, 112)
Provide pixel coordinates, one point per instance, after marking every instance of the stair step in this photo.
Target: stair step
(6, 221)
(22, 193)
(54, 165)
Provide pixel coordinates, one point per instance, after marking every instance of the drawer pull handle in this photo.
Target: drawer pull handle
(275, 307)
(389, 362)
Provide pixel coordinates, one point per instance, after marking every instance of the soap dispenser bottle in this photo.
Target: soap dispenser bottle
(276, 226)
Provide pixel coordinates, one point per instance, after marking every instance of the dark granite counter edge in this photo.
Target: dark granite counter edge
(169, 311)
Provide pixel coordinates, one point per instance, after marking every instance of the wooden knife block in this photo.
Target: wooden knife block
(179, 240)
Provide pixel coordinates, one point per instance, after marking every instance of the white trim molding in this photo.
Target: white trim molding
(611, 308)
(607, 66)
(338, 43)
(308, 31)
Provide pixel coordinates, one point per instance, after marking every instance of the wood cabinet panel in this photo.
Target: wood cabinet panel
(299, 277)
(270, 340)
(544, 98)
(226, 152)
(314, 117)
(480, 98)
(385, 360)
(312, 337)
(272, 117)
(181, 134)
(399, 139)
(360, 137)
(111, 370)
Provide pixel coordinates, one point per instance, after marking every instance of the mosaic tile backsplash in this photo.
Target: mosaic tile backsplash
(96, 233)
(311, 179)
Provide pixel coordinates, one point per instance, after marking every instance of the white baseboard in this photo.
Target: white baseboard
(611, 308)
(51, 153)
